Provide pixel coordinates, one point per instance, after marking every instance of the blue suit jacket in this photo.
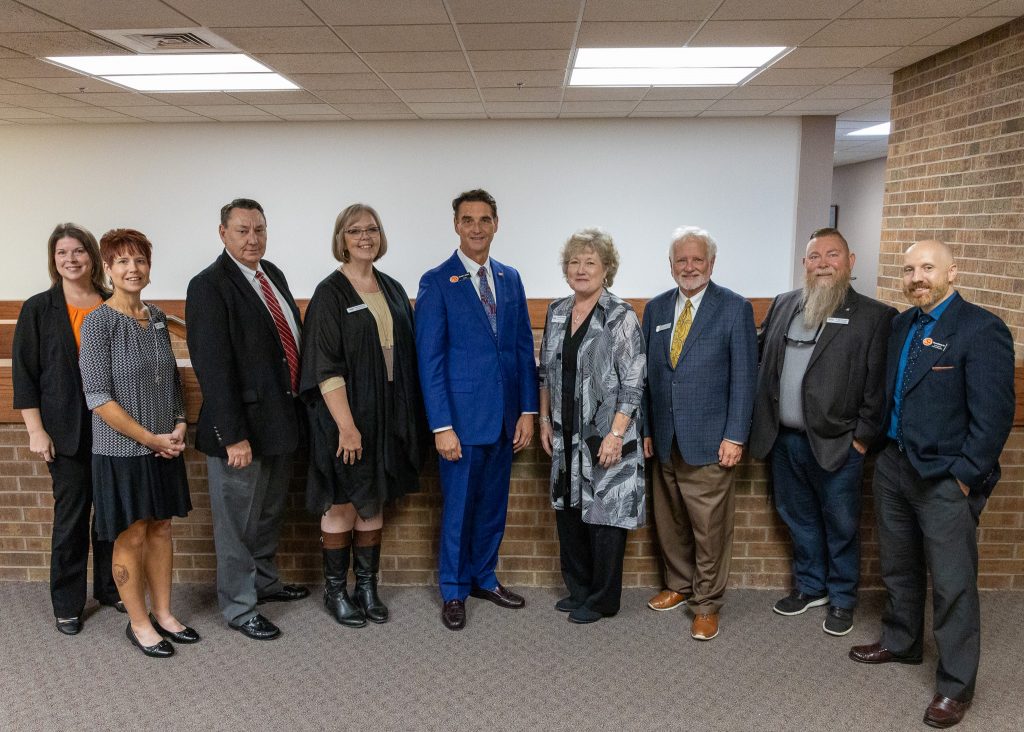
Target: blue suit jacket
(958, 409)
(709, 395)
(473, 380)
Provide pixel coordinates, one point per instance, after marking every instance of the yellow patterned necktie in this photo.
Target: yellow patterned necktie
(680, 332)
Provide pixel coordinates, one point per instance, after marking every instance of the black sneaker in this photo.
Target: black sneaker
(839, 621)
(797, 602)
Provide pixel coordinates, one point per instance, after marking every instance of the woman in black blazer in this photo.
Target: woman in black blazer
(48, 391)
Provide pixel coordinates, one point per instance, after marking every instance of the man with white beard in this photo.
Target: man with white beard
(820, 404)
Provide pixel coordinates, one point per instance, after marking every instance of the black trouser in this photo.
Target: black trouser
(591, 557)
(69, 554)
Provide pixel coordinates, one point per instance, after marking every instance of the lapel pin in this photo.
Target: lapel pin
(453, 279)
(927, 342)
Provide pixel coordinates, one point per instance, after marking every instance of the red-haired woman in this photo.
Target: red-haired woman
(131, 383)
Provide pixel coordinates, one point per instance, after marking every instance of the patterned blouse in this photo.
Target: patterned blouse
(610, 372)
(122, 361)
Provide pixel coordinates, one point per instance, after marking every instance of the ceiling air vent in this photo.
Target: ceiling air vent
(168, 40)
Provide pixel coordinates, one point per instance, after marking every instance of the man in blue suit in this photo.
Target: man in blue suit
(950, 400)
(474, 345)
(701, 374)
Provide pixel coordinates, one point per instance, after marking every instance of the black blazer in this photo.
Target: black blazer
(44, 363)
(958, 409)
(843, 387)
(240, 363)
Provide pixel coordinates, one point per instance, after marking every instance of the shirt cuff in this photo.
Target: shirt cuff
(443, 429)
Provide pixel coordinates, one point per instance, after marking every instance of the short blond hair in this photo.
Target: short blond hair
(600, 242)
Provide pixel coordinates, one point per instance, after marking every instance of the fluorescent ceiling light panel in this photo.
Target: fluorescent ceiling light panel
(874, 131)
(204, 82)
(179, 72)
(701, 66)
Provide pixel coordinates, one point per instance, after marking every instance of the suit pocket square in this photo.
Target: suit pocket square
(943, 368)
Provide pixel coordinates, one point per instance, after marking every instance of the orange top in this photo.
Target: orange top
(77, 315)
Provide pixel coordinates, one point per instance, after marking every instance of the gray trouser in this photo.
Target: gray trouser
(247, 505)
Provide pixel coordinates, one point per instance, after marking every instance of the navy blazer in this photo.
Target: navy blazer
(474, 381)
(958, 408)
(709, 395)
(44, 361)
(240, 363)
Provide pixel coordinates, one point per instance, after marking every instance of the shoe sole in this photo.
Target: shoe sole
(835, 632)
(666, 609)
(813, 603)
(704, 637)
(904, 661)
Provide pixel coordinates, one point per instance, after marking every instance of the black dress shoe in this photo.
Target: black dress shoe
(945, 712)
(163, 649)
(568, 604)
(453, 615)
(500, 596)
(876, 653)
(69, 626)
(189, 635)
(258, 628)
(287, 593)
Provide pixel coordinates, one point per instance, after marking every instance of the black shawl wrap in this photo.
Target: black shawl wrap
(340, 338)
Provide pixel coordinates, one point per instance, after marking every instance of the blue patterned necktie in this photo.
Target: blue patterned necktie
(916, 344)
(487, 298)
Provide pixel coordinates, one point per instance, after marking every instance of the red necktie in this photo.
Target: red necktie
(291, 351)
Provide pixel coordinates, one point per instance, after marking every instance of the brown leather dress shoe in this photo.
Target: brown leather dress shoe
(453, 615)
(876, 653)
(500, 596)
(705, 627)
(666, 600)
(945, 712)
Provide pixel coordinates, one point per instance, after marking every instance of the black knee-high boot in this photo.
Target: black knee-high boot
(366, 562)
(336, 597)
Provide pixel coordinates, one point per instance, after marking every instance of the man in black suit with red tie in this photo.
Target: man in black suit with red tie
(950, 410)
(243, 338)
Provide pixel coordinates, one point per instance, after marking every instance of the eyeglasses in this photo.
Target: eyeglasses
(371, 231)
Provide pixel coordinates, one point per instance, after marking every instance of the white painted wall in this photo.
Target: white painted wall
(637, 178)
(858, 190)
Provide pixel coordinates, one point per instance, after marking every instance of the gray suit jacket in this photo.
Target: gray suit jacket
(844, 385)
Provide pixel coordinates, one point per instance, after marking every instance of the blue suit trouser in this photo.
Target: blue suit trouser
(475, 493)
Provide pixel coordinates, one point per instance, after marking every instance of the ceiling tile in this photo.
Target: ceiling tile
(57, 44)
(756, 32)
(509, 11)
(359, 96)
(1013, 8)
(513, 78)
(868, 76)
(649, 10)
(70, 85)
(277, 97)
(798, 77)
(773, 92)
(39, 101)
(506, 36)
(748, 105)
(16, 18)
(607, 105)
(20, 113)
(916, 8)
(730, 113)
(635, 35)
(833, 56)
(314, 63)
(334, 82)
(224, 111)
(515, 60)
(821, 106)
(514, 115)
(9, 53)
(379, 116)
(962, 30)
(284, 40)
(505, 94)
(267, 13)
(295, 110)
(448, 108)
(440, 80)
(416, 61)
(907, 56)
(643, 114)
(594, 115)
(375, 12)
(197, 99)
(333, 117)
(883, 32)
(116, 99)
(853, 91)
(782, 9)
(678, 105)
(92, 15)
(363, 110)
(85, 112)
(155, 113)
(421, 96)
(31, 68)
(365, 38)
(523, 107)
(595, 94)
(9, 87)
(683, 92)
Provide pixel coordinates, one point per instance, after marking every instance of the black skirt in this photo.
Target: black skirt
(130, 489)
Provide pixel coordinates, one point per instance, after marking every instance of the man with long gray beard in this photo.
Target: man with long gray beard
(820, 404)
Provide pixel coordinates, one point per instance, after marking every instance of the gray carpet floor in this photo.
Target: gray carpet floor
(508, 670)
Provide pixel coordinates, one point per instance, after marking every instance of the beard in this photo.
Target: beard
(935, 293)
(823, 297)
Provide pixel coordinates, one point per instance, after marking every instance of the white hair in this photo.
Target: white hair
(693, 232)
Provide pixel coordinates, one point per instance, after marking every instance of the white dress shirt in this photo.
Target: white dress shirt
(250, 274)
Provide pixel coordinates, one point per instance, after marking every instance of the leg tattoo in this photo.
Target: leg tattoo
(120, 573)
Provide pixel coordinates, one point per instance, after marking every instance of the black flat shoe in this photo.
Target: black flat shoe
(69, 626)
(189, 635)
(163, 649)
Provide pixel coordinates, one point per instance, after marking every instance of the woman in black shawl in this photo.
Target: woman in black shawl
(366, 414)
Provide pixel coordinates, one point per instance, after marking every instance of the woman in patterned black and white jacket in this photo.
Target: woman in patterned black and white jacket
(132, 386)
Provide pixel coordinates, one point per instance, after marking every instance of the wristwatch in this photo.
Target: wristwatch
(620, 435)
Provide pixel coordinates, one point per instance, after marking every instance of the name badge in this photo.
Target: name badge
(557, 318)
(159, 324)
(663, 326)
(356, 308)
(838, 321)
